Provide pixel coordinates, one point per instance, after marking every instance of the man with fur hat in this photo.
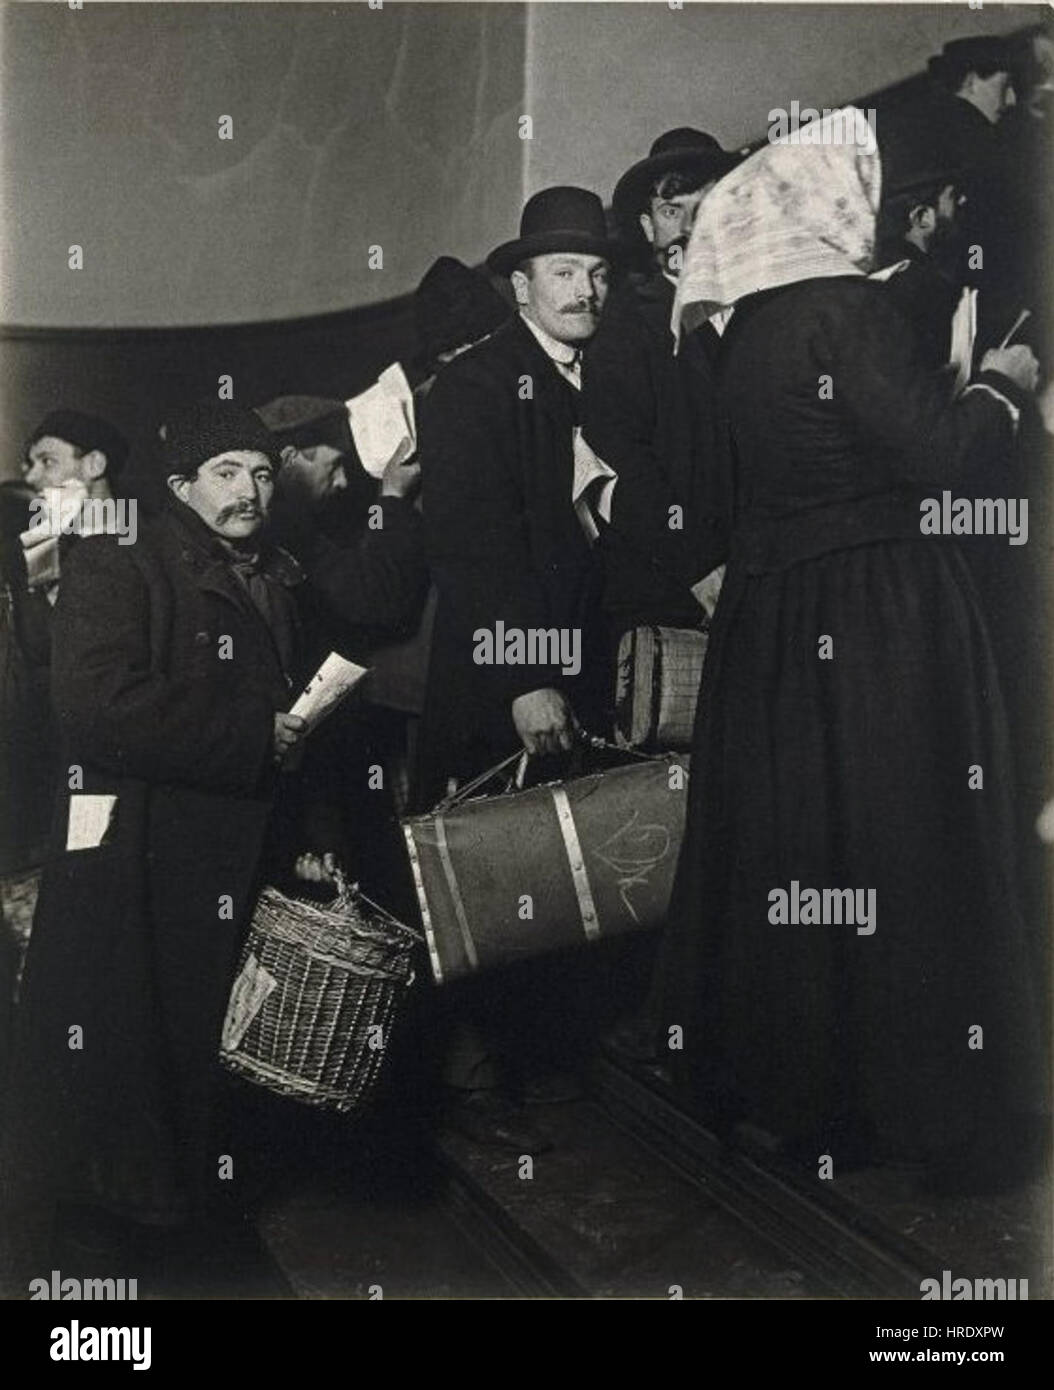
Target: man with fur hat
(176, 661)
(649, 414)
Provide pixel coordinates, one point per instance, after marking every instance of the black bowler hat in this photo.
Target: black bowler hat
(556, 219)
(922, 146)
(962, 56)
(454, 305)
(692, 151)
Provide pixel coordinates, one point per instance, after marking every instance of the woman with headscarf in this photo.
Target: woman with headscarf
(850, 731)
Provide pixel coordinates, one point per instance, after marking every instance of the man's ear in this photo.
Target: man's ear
(520, 287)
(647, 226)
(923, 216)
(93, 465)
(287, 454)
(179, 485)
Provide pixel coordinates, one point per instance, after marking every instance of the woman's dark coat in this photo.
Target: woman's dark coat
(853, 771)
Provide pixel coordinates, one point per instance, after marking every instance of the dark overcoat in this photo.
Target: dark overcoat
(850, 733)
(165, 682)
(503, 543)
(134, 942)
(650, 415)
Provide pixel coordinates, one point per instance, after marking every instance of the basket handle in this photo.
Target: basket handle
(347, 892)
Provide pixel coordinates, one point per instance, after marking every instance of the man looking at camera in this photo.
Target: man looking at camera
(176, 660)
(503, 538)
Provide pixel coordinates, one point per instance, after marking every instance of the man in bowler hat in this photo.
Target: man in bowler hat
(506, 545)
(503, 538)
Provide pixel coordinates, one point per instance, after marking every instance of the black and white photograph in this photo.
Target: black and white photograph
(526, 637)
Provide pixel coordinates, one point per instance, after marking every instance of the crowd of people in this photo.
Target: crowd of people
(725, 417)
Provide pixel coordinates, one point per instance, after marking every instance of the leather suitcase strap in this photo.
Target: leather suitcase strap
(577, 863)
(422, 899)
(455, 892)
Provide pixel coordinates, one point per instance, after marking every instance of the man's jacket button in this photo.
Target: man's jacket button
(201, 639)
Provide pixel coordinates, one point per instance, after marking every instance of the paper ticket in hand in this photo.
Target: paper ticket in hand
(964, 335)
(334, 680)
(382, 421)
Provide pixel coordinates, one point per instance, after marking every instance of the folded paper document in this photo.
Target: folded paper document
(334, 680)
(382, 421)
(588, 470)
(964, 335)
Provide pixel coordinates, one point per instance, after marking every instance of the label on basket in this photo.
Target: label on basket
(251, 988)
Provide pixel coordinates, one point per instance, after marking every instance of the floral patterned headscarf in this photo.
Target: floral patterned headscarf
(800, 208)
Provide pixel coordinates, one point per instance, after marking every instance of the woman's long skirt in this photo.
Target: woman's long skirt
(851, 735)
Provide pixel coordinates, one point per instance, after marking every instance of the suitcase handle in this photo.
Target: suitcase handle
(606, 746)
(521, 757)
(455, 798)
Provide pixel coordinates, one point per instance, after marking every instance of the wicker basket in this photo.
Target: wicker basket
(316, 993)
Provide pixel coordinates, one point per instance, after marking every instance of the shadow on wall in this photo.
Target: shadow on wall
(133, 376)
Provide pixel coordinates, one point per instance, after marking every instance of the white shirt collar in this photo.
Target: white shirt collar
(564, 353)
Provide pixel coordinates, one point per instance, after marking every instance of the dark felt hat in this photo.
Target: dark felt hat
(84, 432)
(921, 146)
(556, 219)
(454, 305)
(307, 421)
(693, 151)
(194, 433)
(981, 52)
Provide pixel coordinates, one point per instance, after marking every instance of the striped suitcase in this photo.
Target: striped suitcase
(505, 878)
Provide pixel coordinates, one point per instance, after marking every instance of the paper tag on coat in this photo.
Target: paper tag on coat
(250, 989)
(90, 818)
(588, 469)
(382, 421)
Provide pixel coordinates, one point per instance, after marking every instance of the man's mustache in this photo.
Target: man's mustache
(240, 509)
(580, 309)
